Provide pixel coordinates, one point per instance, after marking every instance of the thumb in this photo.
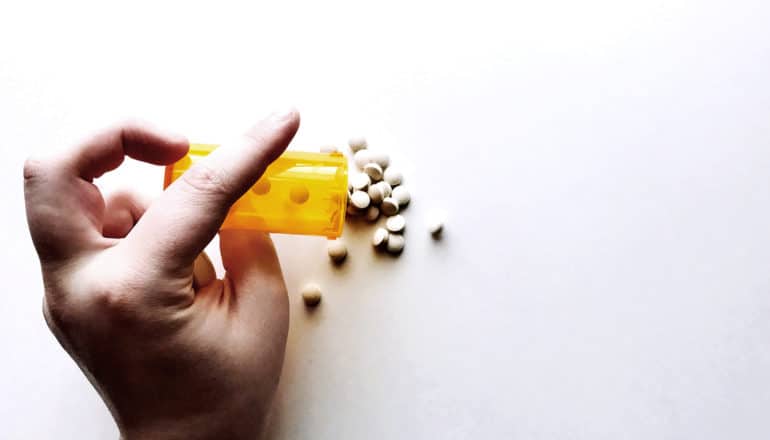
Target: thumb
(252, 267)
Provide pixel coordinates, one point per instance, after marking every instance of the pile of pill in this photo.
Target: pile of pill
(375, 189)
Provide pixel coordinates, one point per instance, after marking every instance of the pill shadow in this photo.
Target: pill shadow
(341, 267)
(313, 315)
(385, 256)
(439, 240)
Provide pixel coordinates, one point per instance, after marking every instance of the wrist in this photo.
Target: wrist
(228, 427)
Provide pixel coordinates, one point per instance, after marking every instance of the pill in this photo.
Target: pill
(311, 294)
(357, 143)
(376, 193)
(337, 250)
(360, 181)
(381, 159)
(372, 214)
(353, 211)
(329, 149)
(362, 157)
(401, 194)
(386, 188)
(262, 187)
(374, 171)
(397, 223)
(393, 176)
(299, 194)
(396, 243)
(389, 206)
(380, 237)
(435, 223)
(360, 199)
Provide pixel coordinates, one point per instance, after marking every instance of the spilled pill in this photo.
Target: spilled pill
(311, 294)
(397, 223)
(389, 206)
(380, 237)
(393, 176)
(337, 250)
(357, 143)
(360, 199)
(396, 243)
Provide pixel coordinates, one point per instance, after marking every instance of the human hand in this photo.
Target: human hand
(173, 351)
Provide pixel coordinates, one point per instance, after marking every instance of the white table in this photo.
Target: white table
(606, 168)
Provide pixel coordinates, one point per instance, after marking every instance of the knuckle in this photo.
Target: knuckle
(114, 301)
(33, 168)
(116, 296)
(206, 180)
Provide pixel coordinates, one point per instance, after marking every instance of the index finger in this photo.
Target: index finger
(179, 225)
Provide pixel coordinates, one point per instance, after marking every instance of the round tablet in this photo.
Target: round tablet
(329, 149)
(311, 294)
(389, 206)
(374, 171)
(380, 159)
(337, 250)
(360, 199)
(376, 193)
(362, 157)
(353, 211)
(397, 223)
(393, 176)
(357, 143)
(401, 194)
(372, 214)
(299, 194)
(386, 188)
(435, 224)
(360, 181)
(396, 243)
(380, 237)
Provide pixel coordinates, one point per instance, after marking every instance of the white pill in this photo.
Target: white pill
(435, 223)
(337, 250)
(393, 176)
(376, 193)
(311, 294)
(357, 143)
(362, 157)
(397, 223)
(360, 199)
(353, 211)
(396, 243)
(380, 159)
(360, 181)
(374, 171)
(372, 214)
(386, 188)
(389, 206)
(401, 194)
(329, 149)
(380, 237)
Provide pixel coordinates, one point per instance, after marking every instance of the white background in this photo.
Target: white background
(605, 166)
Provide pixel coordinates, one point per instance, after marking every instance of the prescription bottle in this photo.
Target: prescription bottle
(299, 193)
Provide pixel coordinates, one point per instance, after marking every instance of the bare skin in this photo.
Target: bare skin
(174, 352)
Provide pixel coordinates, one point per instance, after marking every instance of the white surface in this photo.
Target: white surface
(605, 271)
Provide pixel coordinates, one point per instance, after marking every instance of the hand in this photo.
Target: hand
(173, 351)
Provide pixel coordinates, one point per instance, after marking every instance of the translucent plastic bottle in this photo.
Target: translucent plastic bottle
(299, 193)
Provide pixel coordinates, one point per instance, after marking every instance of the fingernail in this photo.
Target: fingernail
(284, 114)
